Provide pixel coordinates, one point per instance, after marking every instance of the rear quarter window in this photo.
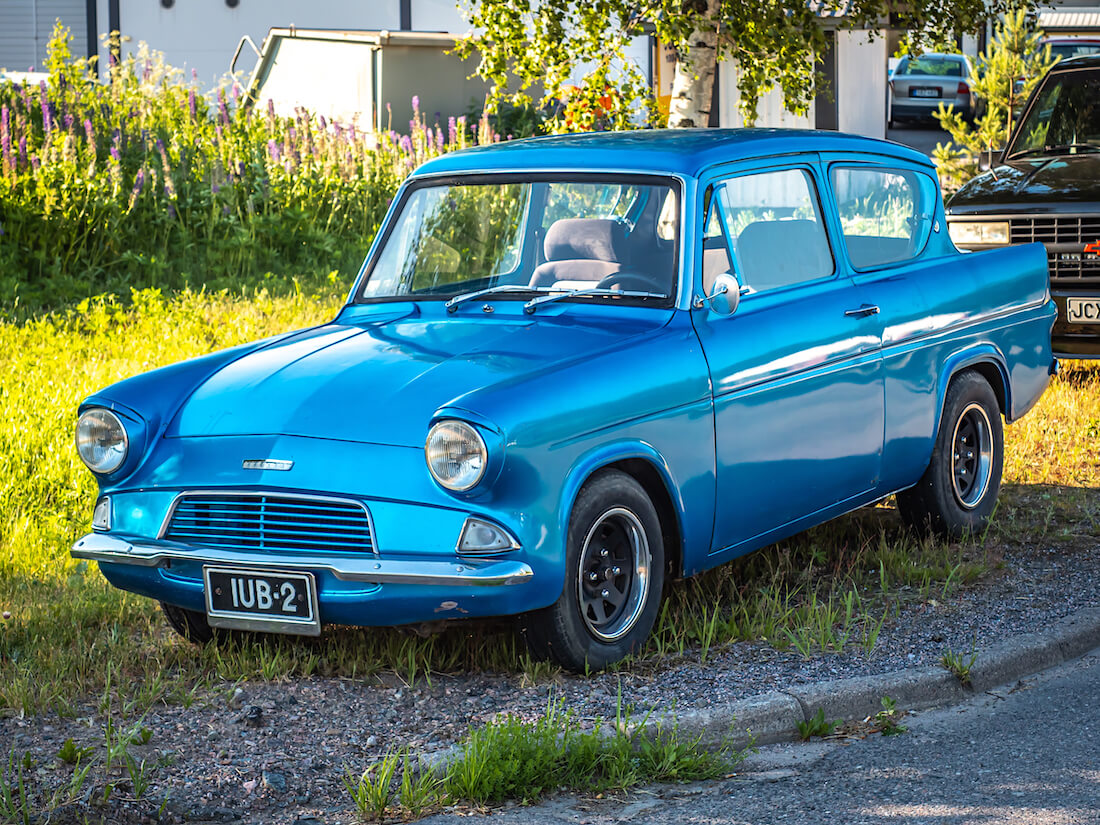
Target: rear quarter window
(886, 215)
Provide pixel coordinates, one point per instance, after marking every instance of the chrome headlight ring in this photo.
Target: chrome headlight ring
(456, 455)
(101, 440)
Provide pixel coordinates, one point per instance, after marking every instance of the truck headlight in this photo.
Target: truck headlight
(456, 455)
(978, 233)
(101, 440)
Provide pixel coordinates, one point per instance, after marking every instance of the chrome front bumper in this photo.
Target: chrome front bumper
(369, 568)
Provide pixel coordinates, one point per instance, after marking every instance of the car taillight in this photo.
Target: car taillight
(963, 89)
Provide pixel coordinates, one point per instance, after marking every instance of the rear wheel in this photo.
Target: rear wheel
(614, 577)
(958, 491)
(190, 624)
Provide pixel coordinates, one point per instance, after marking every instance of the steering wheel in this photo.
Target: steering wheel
(629, 282)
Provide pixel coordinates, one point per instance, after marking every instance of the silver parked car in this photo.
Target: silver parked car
(918, 85)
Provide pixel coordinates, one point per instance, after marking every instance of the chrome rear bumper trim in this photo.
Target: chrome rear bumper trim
(370, 568)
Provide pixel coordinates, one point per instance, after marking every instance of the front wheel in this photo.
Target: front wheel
(614, 577)
(189, 624)
(957, 493)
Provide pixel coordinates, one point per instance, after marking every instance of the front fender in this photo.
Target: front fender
(606, 455)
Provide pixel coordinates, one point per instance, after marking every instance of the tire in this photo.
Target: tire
(190, 624)
(613, 548)
(957, 493)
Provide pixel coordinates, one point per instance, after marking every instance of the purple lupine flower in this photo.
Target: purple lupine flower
(147, 72)
(406, 144)
(5, 135)
(195, 75)
(139, 184)
(1, 230)
(171, 210)
(36, 164)
(163, 157)
(214, 188)
(273, 150)
(68, 120)
(47, 110)
(416, 104)
(25, 93)
(270, 109)
(223, 110)
(115, 155)
(439, 139)
(22, 148)
(192, 104)
(324, 124)
(89, 132)
(240, 168)
(452, 129)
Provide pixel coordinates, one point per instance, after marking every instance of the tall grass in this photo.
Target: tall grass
(141, 181)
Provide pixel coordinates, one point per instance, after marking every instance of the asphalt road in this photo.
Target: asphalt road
(1027, 754)
(922, 137)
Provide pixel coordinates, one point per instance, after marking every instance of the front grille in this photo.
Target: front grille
(263, 521)
(1065, 238)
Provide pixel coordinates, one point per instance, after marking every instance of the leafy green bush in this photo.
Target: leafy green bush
(140, 181)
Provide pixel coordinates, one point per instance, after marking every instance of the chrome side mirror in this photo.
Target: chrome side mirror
(725, 295)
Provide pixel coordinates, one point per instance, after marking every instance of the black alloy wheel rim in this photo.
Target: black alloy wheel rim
(614, 574)
(971, 456)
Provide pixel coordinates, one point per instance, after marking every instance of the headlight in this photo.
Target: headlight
(101, 440)
(978, 233)
(456, 455)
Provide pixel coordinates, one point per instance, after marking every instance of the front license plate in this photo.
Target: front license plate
(924, 91)
(268, 600)
(1083, 310)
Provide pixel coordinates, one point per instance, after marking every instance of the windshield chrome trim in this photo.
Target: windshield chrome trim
(680, 293)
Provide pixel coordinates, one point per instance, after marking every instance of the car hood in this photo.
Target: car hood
(1034, 184)
(381, 381)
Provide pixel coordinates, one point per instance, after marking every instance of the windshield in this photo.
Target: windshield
(530, 235)
(1065, 117)
(944, 67)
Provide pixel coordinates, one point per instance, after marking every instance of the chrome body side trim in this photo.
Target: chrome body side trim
(153, 553)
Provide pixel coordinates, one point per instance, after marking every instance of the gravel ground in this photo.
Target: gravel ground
(276, 752)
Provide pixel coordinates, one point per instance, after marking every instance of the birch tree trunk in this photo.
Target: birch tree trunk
(693, 80)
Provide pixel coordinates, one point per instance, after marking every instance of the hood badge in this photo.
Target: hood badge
(267, 464)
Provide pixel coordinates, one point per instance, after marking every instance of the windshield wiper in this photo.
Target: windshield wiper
(531, 305)
(452, 304)
(1057, 149)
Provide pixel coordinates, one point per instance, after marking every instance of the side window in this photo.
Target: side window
(886, 214)
(773, 224)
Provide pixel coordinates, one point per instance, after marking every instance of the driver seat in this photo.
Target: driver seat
(581, 252)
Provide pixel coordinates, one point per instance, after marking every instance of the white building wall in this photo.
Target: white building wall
(860, 91)
(202, 34)
(26, 26)
(861, 83)
(770, 111)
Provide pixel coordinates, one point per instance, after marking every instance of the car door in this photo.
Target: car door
(796, 370)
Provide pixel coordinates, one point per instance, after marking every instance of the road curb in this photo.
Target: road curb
(774, 717)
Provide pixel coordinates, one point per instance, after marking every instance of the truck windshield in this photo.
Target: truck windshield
(452, 238)
(1064, 119)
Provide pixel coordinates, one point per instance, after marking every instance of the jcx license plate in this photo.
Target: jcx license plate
(269, 600)
(1083, 310)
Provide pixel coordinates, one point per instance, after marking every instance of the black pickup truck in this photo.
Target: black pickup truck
(1046, 188)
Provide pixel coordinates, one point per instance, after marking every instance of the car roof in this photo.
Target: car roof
(687, 152)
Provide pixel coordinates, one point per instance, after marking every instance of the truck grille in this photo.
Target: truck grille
(270, 522)
(1065, 238)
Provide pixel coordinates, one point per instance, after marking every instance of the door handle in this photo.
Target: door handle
(862, 312)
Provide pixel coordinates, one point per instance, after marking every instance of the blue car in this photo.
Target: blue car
(572, 368)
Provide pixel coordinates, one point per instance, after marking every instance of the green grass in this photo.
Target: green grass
(513, 758)
(71, 638)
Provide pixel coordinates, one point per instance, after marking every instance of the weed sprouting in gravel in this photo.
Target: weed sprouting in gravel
(959, 665)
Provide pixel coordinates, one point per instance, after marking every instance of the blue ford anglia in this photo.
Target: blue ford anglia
(572, 368)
